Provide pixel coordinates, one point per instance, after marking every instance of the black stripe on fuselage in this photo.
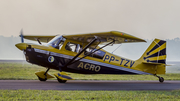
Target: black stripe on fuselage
(60, 59)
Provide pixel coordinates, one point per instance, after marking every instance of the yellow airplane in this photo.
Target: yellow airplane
(80, 53)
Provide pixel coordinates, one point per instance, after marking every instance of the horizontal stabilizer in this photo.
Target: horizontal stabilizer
(152, 63)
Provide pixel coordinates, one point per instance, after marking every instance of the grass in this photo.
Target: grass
(89, 95)
(19, 71)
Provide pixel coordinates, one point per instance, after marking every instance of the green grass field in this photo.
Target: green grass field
(19, 71)
(89, 95)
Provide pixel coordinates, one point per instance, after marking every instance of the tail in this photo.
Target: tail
(156, 53)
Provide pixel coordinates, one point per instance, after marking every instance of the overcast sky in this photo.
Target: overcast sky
(147, 19)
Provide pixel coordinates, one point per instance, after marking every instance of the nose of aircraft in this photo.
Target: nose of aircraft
(21, 46)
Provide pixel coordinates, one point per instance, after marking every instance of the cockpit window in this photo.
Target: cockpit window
(57, 42)
(98, 54)
(73, 47)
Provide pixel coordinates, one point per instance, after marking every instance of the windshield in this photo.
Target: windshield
(57, 42)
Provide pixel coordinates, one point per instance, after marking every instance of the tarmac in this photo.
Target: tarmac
(88, 85)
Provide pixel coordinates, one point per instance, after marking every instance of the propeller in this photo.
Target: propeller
(21, 35)
(22, 41)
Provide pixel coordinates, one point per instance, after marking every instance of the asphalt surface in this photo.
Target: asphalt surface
(88, 85)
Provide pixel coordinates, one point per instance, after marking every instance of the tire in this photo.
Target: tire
(41, 79)
(161, 79)
(61, 81)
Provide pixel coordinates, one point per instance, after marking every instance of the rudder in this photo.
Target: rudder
(156, 53)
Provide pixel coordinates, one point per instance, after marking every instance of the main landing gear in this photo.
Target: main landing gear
(161, 79)
(43, 76)
(61, 76)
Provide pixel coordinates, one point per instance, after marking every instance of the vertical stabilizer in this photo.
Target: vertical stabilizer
(156, 53)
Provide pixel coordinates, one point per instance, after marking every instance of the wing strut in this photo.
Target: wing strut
(38, 41)
(94, 51)
(81, 52)
(61, 77)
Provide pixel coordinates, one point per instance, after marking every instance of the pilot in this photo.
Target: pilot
(68, 47)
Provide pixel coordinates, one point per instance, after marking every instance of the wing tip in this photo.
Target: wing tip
(128, 35)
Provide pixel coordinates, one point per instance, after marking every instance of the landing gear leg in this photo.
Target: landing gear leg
(46, 73)
(161, 79)
(44, 79)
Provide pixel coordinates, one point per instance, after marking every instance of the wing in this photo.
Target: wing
(41, 38)
(105, 37)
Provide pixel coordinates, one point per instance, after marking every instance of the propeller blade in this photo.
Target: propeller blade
(23, 58)
(21, 35)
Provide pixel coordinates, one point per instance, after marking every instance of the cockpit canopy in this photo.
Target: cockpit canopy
(57, 42)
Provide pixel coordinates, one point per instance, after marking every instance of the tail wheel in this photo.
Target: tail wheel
(161, 79)
(41, 79)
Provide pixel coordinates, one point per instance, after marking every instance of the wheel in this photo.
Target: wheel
(61, 81)
(41, 79)
(161, 79)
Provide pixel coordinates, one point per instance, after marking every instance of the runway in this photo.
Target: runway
(88, 85)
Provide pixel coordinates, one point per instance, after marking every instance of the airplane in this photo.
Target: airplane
(81, 53)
